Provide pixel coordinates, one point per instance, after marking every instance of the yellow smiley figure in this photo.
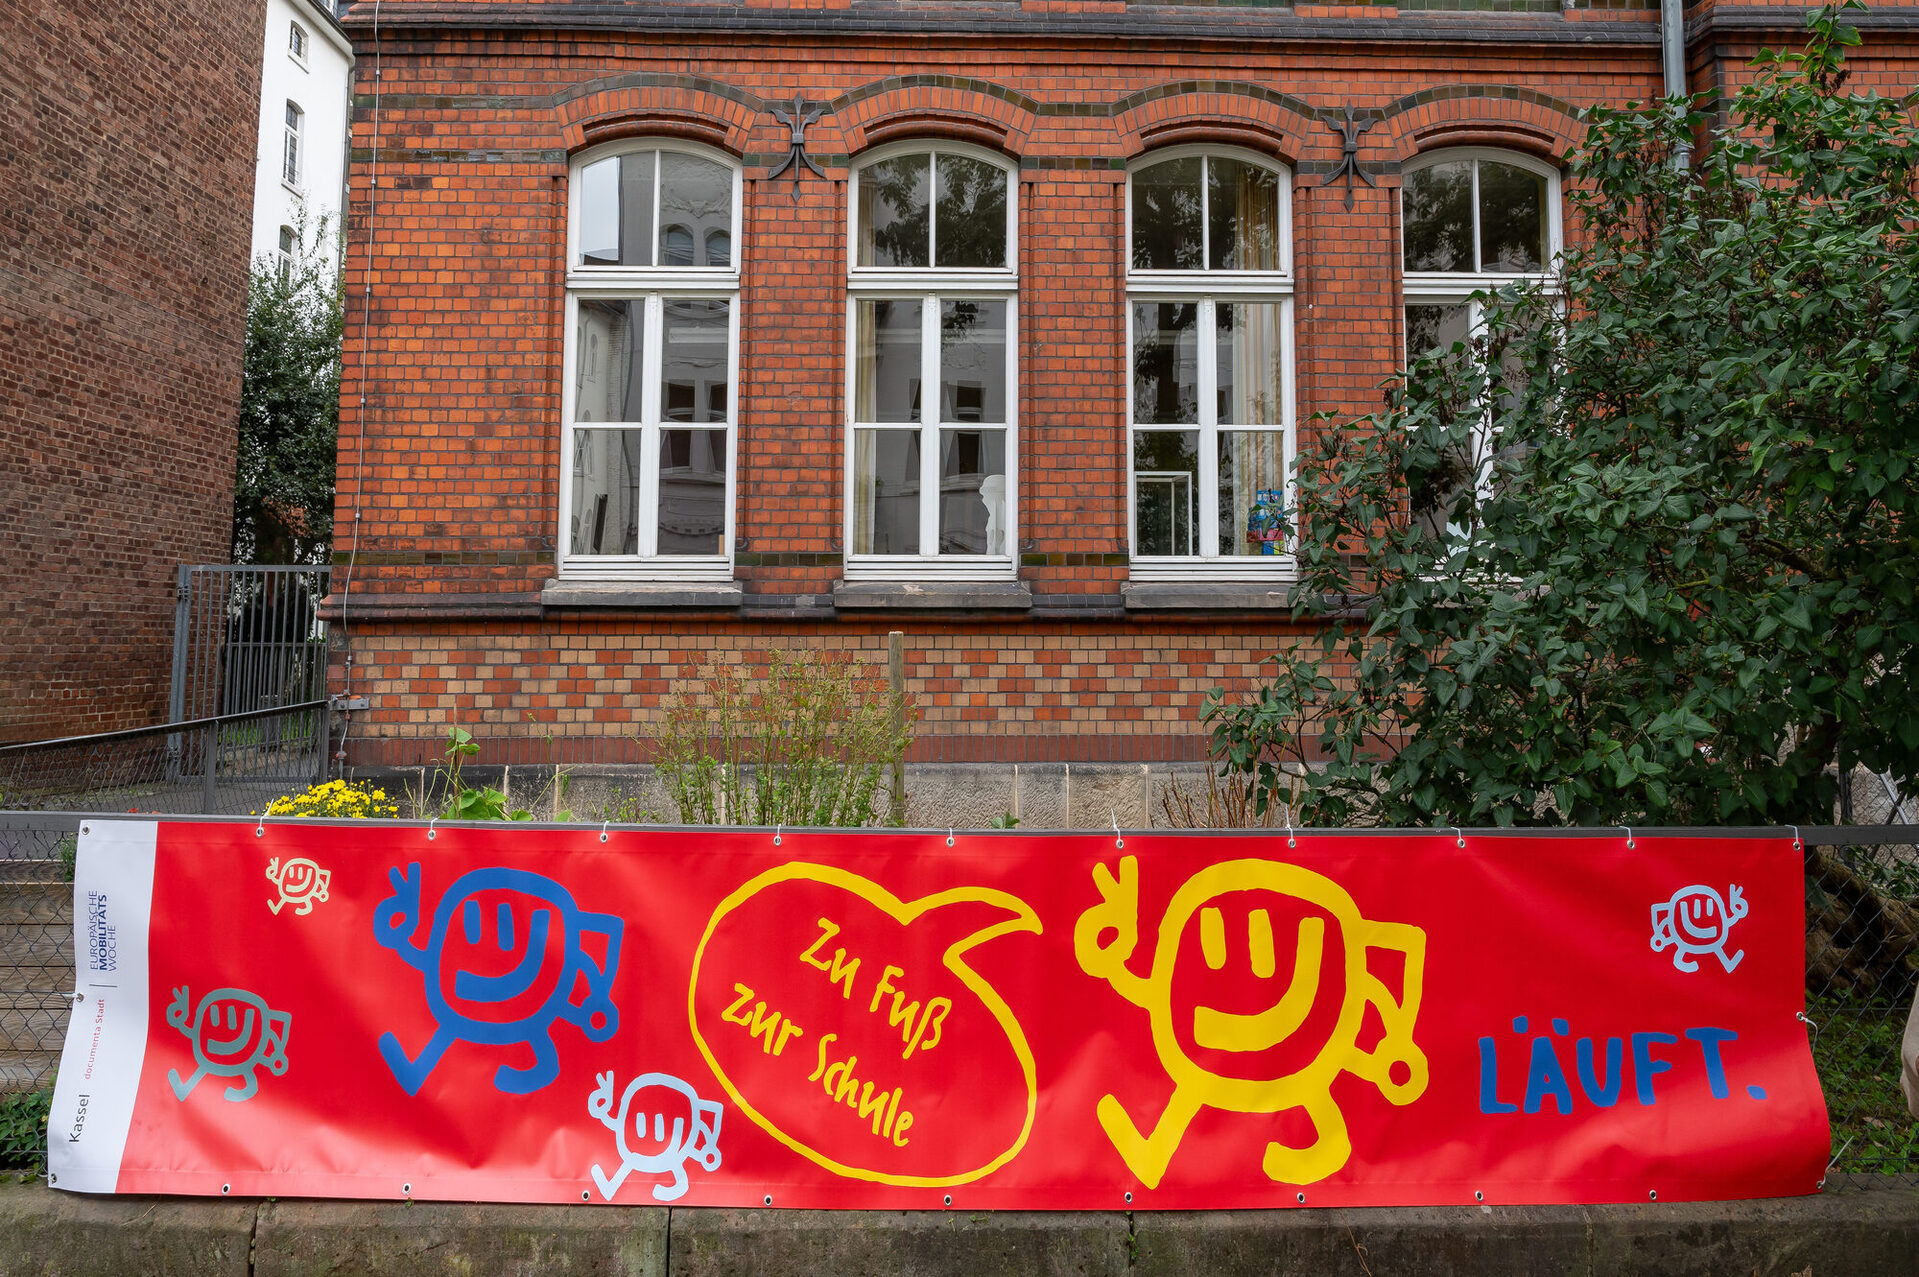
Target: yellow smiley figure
(1249, 1060)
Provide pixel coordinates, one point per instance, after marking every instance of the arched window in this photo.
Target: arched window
(1473, 221)
(652, 359)
(290, 156)
(932, 464)
(1210, 343)
(297, 44)
(289, 244)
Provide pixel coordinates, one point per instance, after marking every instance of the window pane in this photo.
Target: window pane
(1243, 215)
(692, 492)
(1166, 213)
(694, 369)
(1165, 363)
(1252, 492)
(606, 492)
(609, 342)
(886, 492)
(719, 248)
(1165, 491)
(616, 211)
(696, 199)
(1247, 369)
(886, 384)
(1512, 223)
(1438, 204)
(1438, 494)
(972, 491)
(973, 361)
(971, 212)
(893, 217)
(1430, 328)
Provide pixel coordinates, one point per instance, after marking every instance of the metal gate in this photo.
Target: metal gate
(246, 638)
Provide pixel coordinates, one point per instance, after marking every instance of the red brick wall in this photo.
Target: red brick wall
(127, 136)
(453, 466)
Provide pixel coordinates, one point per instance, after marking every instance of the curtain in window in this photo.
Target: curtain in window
(1251, 461)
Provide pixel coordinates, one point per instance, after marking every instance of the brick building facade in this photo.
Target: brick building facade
(126, 178)
(641, 368)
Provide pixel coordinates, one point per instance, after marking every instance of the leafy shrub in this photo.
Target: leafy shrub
(336, 799)
(23, 1130)
(805, 745)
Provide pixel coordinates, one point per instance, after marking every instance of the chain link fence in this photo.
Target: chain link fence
(1862, 966)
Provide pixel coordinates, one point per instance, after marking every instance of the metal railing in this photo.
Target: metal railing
(1862, 964)
(231, 765)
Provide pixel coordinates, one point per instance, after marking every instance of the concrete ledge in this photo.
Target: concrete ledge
(950, 596)
(1860, 1226)
(642, 596)
(1206, 596)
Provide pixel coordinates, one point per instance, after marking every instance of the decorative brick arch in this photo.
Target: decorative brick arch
(1232, 112)
(1479, 115)
(949, 106)
(646, 104)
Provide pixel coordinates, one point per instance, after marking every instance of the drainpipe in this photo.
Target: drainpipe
(1672, 40)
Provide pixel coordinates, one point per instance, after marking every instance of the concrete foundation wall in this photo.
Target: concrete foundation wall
(1864, 1227)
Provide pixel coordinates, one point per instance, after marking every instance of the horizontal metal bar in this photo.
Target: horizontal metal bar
(1811, 835)
(160, 729)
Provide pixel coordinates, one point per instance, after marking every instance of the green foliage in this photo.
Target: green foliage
(1685, 586)
(483, 802)
(805, 746)
(289, 409)
(23, 1130)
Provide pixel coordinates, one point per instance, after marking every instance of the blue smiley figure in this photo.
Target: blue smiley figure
(476, 988)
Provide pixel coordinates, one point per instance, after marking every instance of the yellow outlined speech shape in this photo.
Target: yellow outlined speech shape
(1022, 919)
(1308, 1088)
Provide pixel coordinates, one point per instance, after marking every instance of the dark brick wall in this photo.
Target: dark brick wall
(127, 137)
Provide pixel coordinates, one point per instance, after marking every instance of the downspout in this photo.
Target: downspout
(1672, 41)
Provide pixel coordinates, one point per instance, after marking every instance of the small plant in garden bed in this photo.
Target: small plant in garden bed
(335, 798)
(805, 745)
(467, 802)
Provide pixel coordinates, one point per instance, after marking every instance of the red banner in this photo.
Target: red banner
(877, 1019)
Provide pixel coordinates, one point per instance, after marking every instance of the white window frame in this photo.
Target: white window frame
(932, 285)
(1462, 288)
(299, 40)
(288, 250)
(1207, 288)
(652, 285)
(292, 150)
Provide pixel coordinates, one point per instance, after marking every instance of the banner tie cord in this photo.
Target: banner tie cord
(603, 825)
(1119, 840)
(776, 833)
(1629, 841)
(1290, 840)
(949, 836)
(1798, 844)
(431, 833)
(1460, 836)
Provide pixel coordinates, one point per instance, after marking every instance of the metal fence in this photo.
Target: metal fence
(246, 637)
(1862, 964)
(231, 765)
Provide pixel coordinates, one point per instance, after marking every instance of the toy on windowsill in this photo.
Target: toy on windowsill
(1267, 521)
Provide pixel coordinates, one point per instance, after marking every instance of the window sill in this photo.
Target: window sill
(1207, 596)
(567, 595)
(950, 596)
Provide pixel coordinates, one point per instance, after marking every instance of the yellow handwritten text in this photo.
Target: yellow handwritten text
(774, 1030)
(842, 1086)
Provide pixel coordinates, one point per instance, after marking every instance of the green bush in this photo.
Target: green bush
(805, 745)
